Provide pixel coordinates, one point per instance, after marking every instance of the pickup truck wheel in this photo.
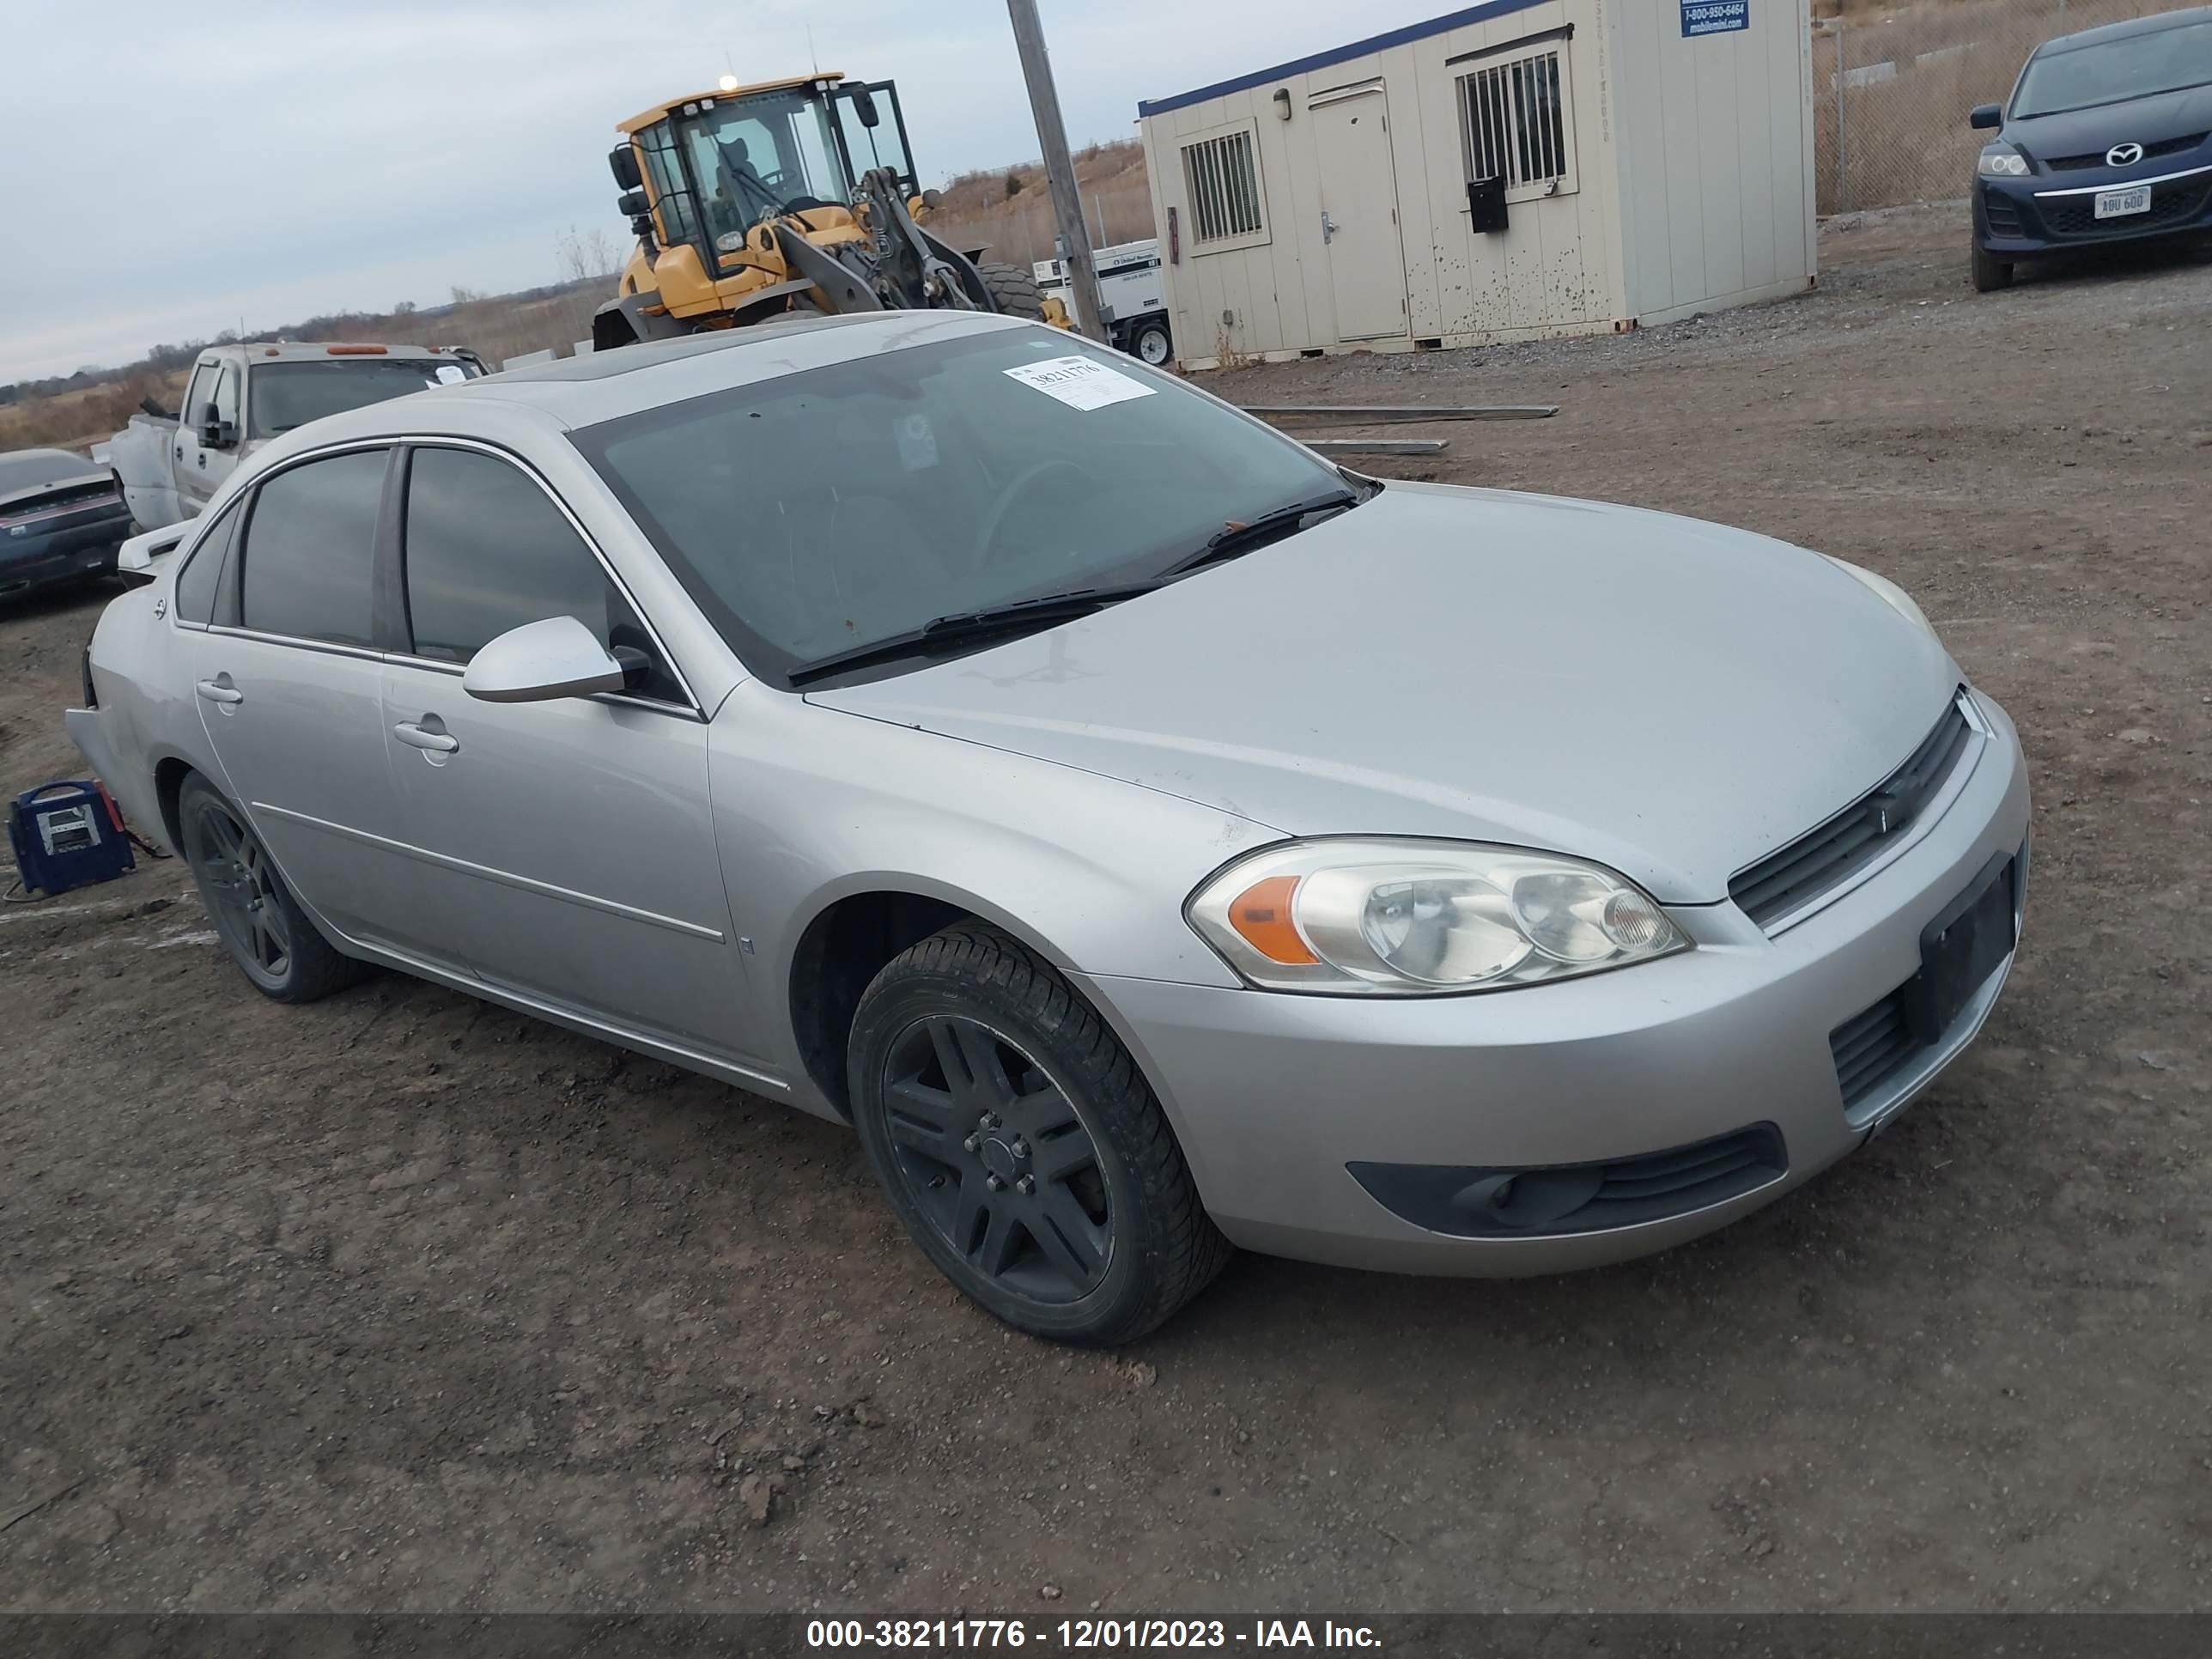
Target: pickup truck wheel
(1020, 1144)
(1150, 342)
(260, 924)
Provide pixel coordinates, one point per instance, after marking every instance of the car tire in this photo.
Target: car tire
(1151, 342)
(260, 924)
(1991, 273)
(1013, 291)
(1020, 1144)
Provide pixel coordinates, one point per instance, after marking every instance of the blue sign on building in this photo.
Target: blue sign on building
(1715, 16)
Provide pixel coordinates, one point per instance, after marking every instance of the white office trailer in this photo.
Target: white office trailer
(1513, 171)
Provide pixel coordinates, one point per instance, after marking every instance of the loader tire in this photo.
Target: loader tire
(1014, 292)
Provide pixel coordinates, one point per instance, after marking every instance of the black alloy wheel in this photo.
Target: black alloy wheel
(262, 927)
(1020, 1144)
(997, 1159)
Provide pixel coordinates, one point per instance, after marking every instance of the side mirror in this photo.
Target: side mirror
(541, 661)
(632, 205)
(1986, 115)
(215, 432)
(864, 105)
(622, 161)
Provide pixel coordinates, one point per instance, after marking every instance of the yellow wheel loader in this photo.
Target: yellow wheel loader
(752, 203)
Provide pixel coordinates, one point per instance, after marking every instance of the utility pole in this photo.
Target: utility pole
(1060, 172)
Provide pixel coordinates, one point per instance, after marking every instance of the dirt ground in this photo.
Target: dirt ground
(401, 1302)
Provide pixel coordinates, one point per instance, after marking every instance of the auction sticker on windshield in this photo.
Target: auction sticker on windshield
(1080, 383)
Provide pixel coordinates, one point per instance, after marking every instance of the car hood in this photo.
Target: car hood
(1672, 698)
(2150, 120)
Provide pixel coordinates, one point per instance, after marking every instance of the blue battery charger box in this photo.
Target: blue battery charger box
(67, 835)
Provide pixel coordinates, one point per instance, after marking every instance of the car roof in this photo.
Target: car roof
(583, 390)
(50, 466)
(2098, 37)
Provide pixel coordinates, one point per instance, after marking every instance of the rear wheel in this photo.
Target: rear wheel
(1991, 273)
(1014, 292)
(1020, 1144)
(260, 924)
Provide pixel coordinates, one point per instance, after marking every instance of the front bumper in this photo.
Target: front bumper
(1275, 1096)
(2051, 212)
(41, 559)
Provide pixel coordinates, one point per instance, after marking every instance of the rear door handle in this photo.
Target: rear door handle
(421, 737)
(220, 691)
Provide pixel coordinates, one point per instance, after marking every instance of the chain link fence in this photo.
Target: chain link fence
(1891, 89)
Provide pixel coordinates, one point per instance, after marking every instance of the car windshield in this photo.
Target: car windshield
(761, 156)
(2113, 71)
(286, 395)
(817, 512)
(30, 468)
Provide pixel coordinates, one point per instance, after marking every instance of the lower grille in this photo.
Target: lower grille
(2003, 217)
(1550, 1199)
(2170, 204)
(1824, 857)
(1871, 1047)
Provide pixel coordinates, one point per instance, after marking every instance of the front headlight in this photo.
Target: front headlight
(1392, 917)
(1888, 591)
(2002, 162)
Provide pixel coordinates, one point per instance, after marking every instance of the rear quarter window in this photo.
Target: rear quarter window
(201, 579)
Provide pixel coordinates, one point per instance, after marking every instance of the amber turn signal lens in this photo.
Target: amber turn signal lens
(1261, 916)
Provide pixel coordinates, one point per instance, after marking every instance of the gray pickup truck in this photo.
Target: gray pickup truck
(240, 397)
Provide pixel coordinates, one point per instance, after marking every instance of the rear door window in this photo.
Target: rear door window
(309, 558)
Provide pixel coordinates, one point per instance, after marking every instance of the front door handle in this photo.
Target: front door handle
(222, 691)
(415, 736)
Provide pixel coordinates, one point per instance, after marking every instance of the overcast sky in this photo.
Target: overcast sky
(176, 169)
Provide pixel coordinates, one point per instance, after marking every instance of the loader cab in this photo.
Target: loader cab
(702, 171)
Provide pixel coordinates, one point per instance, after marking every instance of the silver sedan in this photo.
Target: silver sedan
(1149, 837)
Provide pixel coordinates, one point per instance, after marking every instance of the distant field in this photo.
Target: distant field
(79, 418)
(1010, 209)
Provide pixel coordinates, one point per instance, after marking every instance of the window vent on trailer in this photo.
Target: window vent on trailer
(1223, 177)
(1514, 124)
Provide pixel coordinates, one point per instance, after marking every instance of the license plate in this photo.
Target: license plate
(1960, 948)
(2118, 203)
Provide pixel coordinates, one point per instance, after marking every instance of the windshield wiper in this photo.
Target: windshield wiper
(1239, 537)
(963, 626)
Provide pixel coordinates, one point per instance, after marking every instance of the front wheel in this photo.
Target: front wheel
(1020, 1144)
(1991, 273)
(1013, 291)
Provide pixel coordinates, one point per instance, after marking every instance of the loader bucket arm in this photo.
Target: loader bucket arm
(842, 287)
(925, 271)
